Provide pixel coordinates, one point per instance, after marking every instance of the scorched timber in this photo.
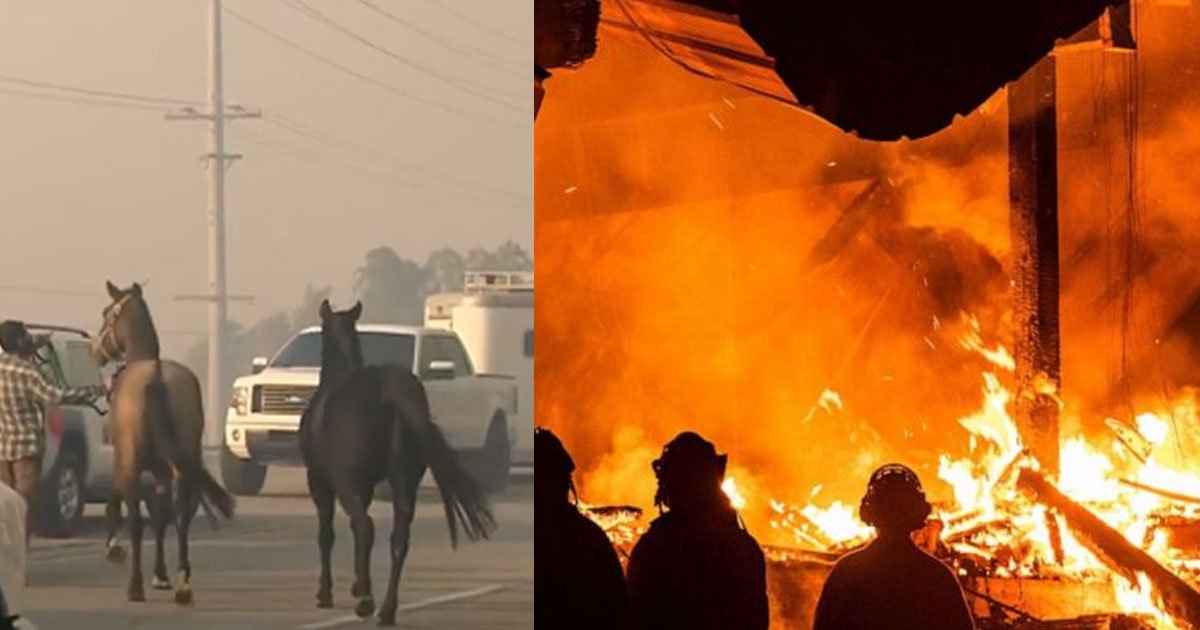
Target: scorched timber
(1117, 553)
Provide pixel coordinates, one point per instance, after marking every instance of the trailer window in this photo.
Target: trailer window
(528, 344)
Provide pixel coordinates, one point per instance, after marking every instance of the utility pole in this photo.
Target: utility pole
(217, 160)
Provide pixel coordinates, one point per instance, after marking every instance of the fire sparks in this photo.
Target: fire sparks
(830, 400)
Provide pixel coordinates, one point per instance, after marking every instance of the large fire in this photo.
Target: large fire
(710, 271)
(989, 527)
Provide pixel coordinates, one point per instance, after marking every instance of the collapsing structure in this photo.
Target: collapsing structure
(1043, 532)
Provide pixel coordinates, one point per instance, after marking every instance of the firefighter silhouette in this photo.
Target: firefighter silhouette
(696, 567)
(891, 584)
(577, 576)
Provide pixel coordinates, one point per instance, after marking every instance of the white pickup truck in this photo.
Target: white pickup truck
(473, 410)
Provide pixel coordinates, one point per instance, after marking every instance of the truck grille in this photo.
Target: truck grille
(284, 400)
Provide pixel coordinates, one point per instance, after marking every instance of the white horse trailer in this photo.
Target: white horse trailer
(494, 318)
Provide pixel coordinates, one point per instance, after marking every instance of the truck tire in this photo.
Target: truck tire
(61, 495)
(489, 466)
(241, 477)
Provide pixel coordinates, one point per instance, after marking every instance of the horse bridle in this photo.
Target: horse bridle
(109, 331)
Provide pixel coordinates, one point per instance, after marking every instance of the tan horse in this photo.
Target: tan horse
(156, 422)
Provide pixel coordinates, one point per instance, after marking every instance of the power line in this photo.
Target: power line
(318, 158)
(45, 291)
(94, 92)
(76, 99)
(479, 55)
(362, 77)
(303, 129)
(483, 92)
(441, 4)
(328, 139)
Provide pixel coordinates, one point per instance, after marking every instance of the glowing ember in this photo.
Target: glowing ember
(830, 399)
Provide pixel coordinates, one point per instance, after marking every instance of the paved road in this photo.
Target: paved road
(261, 571)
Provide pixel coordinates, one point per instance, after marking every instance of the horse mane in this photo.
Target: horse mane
(142, 335)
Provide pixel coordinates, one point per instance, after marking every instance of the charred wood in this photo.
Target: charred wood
(1178, 598)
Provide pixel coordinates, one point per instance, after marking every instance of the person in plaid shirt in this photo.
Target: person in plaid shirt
(25, 392)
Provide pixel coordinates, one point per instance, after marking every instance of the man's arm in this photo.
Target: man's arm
(959, 614)
(49, 393)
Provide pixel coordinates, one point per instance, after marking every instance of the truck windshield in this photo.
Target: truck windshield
(304, 351)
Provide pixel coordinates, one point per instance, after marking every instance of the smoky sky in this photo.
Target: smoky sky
(91, 193)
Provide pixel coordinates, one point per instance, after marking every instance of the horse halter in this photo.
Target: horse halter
(106, 342)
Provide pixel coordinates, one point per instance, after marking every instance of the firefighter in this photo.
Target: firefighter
(577, 576)
(696, 567)
(892, 584)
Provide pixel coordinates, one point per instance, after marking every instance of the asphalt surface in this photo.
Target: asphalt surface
(260, 571)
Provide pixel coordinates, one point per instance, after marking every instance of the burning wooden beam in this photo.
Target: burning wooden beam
(851, 221)
(1166, 494)
(1118, 554)
(1033, 221)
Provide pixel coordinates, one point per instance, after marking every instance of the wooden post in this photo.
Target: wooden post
(1033, 195)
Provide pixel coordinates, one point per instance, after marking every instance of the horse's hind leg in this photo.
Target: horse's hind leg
(364, 538)
(403, 508)
(187, 503)
(112, 511)
(322, 496)
(136, 590)
(160, 518)
(404, 478)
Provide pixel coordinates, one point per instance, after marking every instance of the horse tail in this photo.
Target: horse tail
(166, 442)
(464, 501)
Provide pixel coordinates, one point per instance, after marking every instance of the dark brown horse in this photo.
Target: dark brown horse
(156, 422)
(366, 424)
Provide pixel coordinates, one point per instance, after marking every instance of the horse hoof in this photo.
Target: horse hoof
(365, 607)
(137, 595)
(160, 583)
(183, 596)
(116, 554)
(387, 619)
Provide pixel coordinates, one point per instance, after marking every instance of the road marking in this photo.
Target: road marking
(59, 553)
(432, 601)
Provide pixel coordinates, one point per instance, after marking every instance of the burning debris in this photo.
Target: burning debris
(1120, 527)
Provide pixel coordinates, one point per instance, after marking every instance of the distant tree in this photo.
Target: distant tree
(235, 365)
(391, 288)
(444, 270)
(509, 256)
(306, 315)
